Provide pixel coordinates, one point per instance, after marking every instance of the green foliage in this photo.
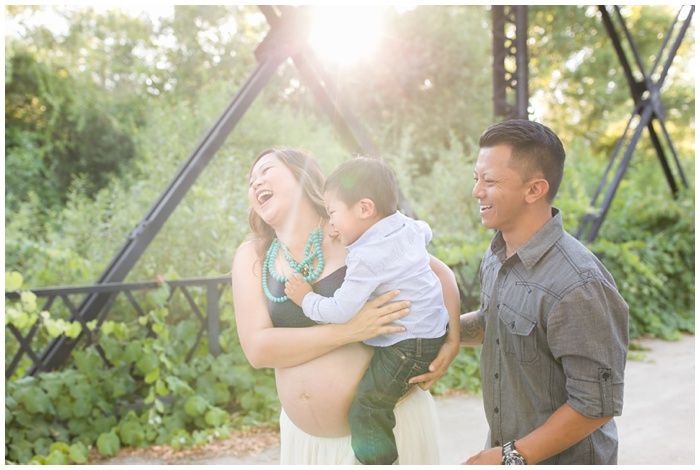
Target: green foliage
(577, 83)
(108, 443)
(144, 394)
(442, 197)
(463, 374)
(211, 43)
(78, 241)
(653, 261)
(52, 135)
(647, 240)
(425, 84)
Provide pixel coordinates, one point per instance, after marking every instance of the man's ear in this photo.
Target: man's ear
(367, 208)
(537, 189)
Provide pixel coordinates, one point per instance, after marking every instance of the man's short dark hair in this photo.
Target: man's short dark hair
(365, 178)
(536, 149)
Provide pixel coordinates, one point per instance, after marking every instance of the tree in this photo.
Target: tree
(51, 135)
(425, 85)
(70, 105)
(577, 81)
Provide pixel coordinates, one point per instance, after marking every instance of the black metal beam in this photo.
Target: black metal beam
(289, 28)
(323, 86)
(211, 324)
(145, 231)
(510, 61)
(648, 108)
(321, 83)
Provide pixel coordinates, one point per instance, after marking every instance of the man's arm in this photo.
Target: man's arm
(593, 303)
(471, 328)
(562, 430)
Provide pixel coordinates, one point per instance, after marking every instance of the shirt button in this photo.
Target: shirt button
(495, 410)
(495, 375)
(498, 443)
(498, 341)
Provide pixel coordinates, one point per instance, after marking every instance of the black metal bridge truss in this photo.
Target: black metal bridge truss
(648, 113)
(285, 41)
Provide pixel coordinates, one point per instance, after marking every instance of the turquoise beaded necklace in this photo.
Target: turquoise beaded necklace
(311, 251)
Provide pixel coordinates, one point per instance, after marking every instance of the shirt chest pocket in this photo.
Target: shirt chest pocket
(518, 335)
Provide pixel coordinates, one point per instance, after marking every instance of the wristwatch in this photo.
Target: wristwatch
(512, 456)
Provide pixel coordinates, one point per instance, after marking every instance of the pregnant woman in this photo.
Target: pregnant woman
(318, 367)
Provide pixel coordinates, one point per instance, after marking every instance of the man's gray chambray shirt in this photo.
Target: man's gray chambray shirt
(556, 332)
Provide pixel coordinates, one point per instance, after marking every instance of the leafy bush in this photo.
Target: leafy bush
(130, 388)
(653, 262)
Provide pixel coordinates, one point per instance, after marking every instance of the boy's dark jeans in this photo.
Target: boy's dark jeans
(385, 381)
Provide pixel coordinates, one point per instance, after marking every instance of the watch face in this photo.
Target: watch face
(513, 459)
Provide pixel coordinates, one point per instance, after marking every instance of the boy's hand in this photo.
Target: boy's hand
(296, 288)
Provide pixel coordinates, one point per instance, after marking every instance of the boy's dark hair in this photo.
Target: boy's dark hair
(365, 178)
(535, 149)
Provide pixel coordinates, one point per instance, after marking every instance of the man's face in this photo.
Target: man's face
(499, 189)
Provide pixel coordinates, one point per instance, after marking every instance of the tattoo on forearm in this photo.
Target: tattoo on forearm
(471, 327)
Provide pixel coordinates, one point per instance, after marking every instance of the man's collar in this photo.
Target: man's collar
(533, 249)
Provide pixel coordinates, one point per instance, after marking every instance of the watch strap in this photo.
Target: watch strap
(511, 456)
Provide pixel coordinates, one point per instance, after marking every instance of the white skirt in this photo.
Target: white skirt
(417, 435)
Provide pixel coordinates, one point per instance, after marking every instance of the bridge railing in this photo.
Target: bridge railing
(26, 349)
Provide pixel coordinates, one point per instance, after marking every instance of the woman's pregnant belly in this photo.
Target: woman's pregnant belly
(317, 395)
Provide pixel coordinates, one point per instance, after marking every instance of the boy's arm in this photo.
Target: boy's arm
(357, 287)
(296, 288)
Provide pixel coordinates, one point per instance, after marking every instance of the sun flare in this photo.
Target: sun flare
(345, 34)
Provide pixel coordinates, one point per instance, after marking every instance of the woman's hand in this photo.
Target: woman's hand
(374, 318)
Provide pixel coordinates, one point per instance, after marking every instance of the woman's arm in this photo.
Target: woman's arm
(449, 350)
(267, 346)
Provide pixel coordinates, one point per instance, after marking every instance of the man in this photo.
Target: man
(552, 323)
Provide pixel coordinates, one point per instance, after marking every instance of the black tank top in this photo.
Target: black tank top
(287, 314)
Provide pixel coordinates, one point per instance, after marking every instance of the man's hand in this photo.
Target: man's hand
(296, 288)
(439, 366)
